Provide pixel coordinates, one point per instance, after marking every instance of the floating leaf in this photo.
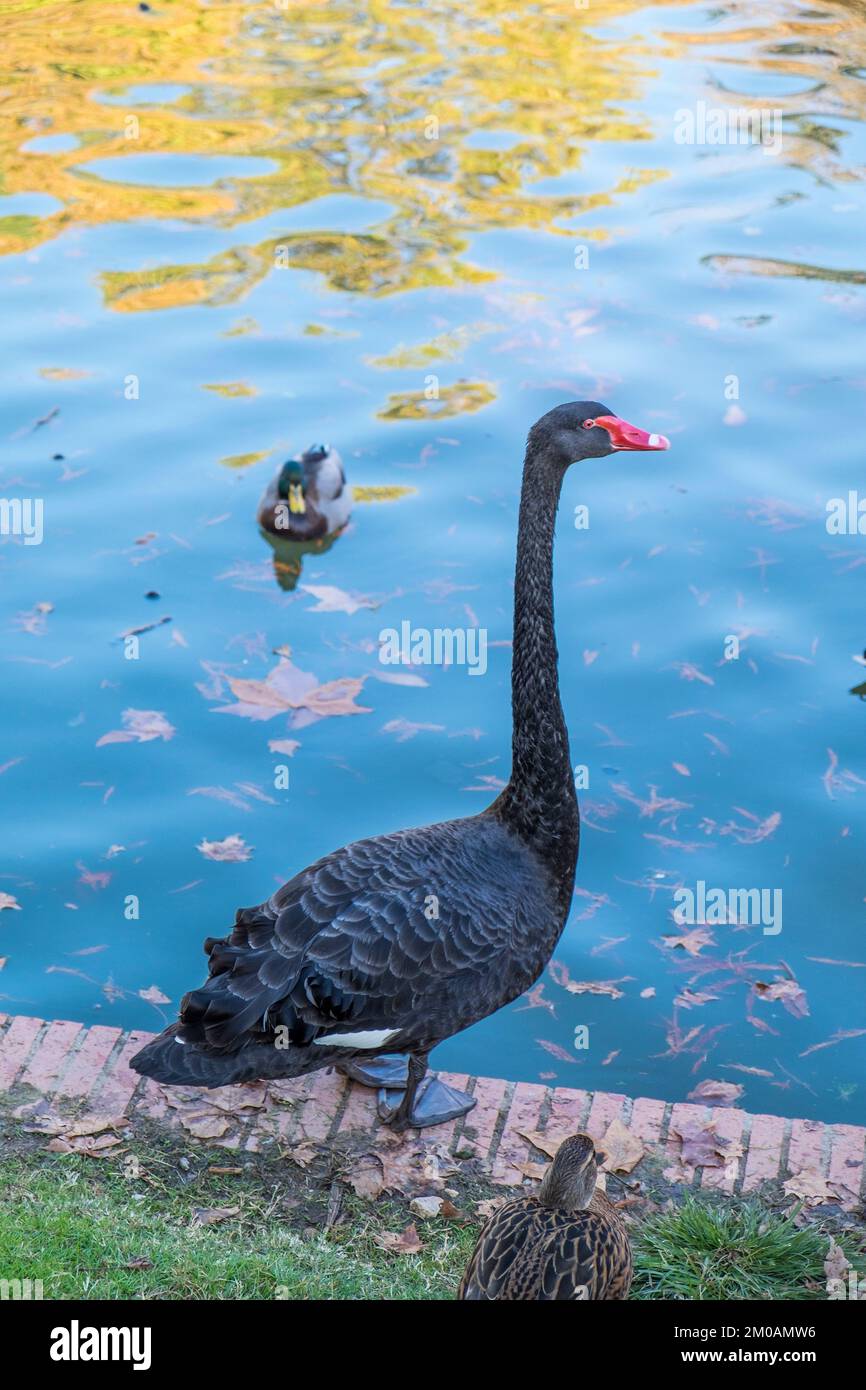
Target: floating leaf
(140, 726)
(231, 850)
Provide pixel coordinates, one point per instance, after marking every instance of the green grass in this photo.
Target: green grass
(83, 1234)
(701, 1251)
(88, 1231)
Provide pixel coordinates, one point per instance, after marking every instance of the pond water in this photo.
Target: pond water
(228, 231)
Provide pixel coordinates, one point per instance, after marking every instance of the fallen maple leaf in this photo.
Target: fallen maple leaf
(303, 1154)
(140, 726)
(810, 1186)
(787, 992)
(486, 1208)
(208, 1216)
(400, 1242)
(623, 1150)
(367, 1177)
(701, 1146)
(204, 1124)
(547, 1143)
(231, 850)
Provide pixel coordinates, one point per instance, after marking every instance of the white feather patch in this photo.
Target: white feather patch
(376, 1037)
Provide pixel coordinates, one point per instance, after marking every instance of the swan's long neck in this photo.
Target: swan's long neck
(539, 801)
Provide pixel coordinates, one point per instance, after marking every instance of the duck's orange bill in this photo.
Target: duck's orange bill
(626, 436)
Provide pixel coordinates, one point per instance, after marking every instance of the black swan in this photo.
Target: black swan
(564, 1242)
(390, 945)
(308, 498)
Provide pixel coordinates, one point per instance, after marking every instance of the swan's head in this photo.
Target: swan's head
(571, 1178)
(587, 429)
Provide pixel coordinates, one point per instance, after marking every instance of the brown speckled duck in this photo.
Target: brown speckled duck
(565, 1242)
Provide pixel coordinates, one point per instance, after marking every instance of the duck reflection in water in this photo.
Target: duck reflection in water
(304, 510)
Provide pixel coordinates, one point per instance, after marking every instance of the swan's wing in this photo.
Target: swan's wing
(394, 933)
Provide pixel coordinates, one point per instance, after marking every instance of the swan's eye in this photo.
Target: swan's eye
(589, 424)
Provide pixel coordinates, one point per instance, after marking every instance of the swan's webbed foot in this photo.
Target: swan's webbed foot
(392, 1072)
(435, 1103)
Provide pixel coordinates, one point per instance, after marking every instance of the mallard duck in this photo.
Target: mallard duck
(391, 944)
(567, 1241)
(308, 499)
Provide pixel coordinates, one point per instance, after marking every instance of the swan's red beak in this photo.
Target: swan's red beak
(626, 436)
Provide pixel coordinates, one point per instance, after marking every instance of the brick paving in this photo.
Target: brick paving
(87, 1068)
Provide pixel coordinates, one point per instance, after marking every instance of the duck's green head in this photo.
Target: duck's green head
(291, 485)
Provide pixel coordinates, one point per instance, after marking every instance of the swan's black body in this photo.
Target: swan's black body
(418, 934)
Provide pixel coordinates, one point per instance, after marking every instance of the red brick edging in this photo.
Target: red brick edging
(69, 1062)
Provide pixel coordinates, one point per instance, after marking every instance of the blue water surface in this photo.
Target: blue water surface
(552, 239)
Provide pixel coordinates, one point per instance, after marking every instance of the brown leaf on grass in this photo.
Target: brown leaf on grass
(140, 726)
(139, 1262)
(400, 1242)
(90, 1145)
(7, 901)
(95, 1124)
(836, 1263)
(490, 1205)
(209, 1216)
(787, 992)
(623, 1150)
(810, 1186)
(717, 1092)
(204, 1124)
(232, 850)
(304, 1153)
(367, 1178)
